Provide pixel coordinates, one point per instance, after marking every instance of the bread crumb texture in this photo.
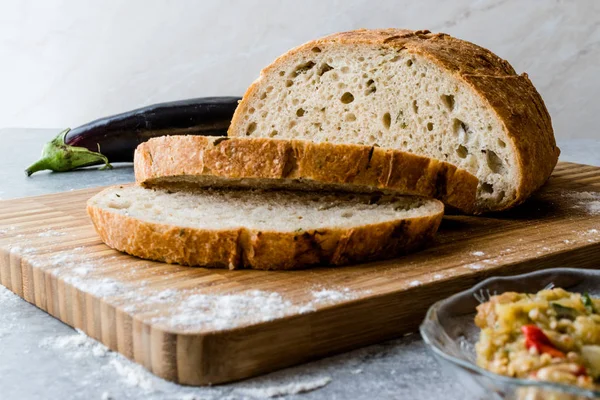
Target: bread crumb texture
(424, 93)
(261, 229)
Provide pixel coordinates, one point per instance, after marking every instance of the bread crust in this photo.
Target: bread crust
(511, 97)
(347, 166)
(266, 250)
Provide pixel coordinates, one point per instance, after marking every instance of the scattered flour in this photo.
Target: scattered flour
(133, 375)
(192, 396)
(222, 312)
(226, 311)
(593, 231)
(332, 296)
(103, 287)
(438, 276)
(589, 201)
(328, 296)
(51, 233)
(474, 266)
(79, 345)
(357, 371)
(7, 229)
(76, 346)
(478, 253)
(188, 309)
(6, 295)
(286, 389)
(414, 283)
(73, 267)
(22, 250)
(81, 270)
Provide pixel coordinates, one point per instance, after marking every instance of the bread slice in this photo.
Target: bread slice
(262, 230)
(427, 94)
(204, 161)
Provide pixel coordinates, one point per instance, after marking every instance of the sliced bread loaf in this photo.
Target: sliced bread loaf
(428, 94)
(204, 161)
(262, 230)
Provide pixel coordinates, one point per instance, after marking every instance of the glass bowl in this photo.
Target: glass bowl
(450, 333)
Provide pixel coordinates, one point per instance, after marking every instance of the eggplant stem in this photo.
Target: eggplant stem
(58, 156)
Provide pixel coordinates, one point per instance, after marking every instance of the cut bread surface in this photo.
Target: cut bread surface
(423, 93)
(264, 230)
(201, 161)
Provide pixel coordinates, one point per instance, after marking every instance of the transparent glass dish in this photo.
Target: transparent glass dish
(450, 333)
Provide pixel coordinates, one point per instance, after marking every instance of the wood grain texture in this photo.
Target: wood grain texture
(51, 256)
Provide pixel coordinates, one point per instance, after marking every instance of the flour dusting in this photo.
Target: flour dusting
(103, 287)
(332, 296)
(588, 201)
(188, 310)
(328, 296)
(51, 233)
(6, 295)
(78, 346)
(474, 266)
(286, 389)
(414, 283)
(478, 253)
(133, 375)
(73, 267)
(75, 346)
(222, 312)
(22, 250)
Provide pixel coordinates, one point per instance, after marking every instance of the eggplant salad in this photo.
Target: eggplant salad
(553, 336)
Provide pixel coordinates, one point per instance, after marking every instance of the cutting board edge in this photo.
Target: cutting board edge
(182, 356)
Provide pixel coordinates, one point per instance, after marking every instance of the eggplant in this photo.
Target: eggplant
(114, 138)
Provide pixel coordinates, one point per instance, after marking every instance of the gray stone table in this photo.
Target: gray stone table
(41, 358)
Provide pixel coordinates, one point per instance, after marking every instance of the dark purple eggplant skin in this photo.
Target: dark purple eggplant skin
(117, 136)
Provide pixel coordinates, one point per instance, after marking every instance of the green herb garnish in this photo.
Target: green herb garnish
(564, 311)
(588, 303)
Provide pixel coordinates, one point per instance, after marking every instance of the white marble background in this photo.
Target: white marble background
(65, 62)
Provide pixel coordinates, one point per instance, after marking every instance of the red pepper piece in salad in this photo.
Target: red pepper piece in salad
(535, 338)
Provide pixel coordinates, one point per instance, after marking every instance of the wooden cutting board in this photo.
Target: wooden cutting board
(197, 326)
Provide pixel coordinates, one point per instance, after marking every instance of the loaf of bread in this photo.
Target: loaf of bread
(262, 230)
(414, 91)
(240, 162)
